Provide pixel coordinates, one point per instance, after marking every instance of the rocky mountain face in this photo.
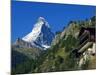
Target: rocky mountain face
(41, 35)
(71, 29)
(60, 56)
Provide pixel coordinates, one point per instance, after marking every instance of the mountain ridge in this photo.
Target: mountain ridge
(41, 35)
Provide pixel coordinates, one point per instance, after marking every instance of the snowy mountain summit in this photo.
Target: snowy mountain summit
(41, 35)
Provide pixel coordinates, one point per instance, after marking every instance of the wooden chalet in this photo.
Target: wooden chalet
(86, 39)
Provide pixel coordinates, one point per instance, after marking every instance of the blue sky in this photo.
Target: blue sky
(25, 14)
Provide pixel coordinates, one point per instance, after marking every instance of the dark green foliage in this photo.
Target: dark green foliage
(85, 65)
(69, 43)
(17, 58)
(93, 19)
(59, 59)
(24, 67)
(71, 62)
(21, 62)
(74, 22)
(58, 32)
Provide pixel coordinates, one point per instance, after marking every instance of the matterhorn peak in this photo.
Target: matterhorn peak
(40, 35)
(41, 19)
(41, 22)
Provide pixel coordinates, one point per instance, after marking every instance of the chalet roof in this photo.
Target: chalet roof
(90, 29)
